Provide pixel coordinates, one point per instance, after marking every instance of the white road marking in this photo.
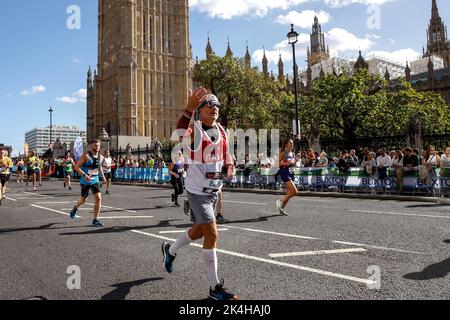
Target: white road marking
(128, 217)
(402, 214)
(79, 209)
(318, 252)
(37, 194)
(62, 202)
(119, 209)
(182, 231)
(275, 233)
(243, 202)
(29, 199)
(378, 247)
(52, 210)
(273, 262)
(11, 199)
(333, 241)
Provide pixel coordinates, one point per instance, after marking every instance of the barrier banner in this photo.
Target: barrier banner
(143, 174)
(309, 177)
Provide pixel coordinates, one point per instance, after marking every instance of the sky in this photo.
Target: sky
(44, 63)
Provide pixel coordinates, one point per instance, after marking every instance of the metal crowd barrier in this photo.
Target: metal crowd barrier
(354, 180)
(142, 175)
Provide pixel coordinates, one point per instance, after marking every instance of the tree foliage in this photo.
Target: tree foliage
(249, 99)
(341, 106)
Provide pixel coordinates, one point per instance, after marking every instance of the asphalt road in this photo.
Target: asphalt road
(323, 250)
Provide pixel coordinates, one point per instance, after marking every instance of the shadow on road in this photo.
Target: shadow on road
(122, 289)
(118, 229)
(44, 227)
(140, 209)
(161, 224)
(427, 206)
(434, 271)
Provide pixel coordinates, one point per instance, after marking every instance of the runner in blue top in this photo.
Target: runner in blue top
(90, 169)
(287, 170)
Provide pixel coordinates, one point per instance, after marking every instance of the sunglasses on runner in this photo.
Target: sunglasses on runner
(210, 101)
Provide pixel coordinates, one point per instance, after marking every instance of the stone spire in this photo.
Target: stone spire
(408, 72)
(309, 76)
(387, 75)
(229, 52)
(437, 39)
(265, 65)
(361, 63)
(280, 69)
(248, 58)
(430, 66)
(89, 78)
(322, 73)
(434, 10)
(209, 50)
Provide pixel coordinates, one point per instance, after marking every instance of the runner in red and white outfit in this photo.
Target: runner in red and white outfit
(107, 164)
(205, 144)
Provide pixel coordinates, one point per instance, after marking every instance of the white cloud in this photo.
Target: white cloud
(343, 3)
(229, 9)
(303, 19)
(76, 97)
(339, 40)
(76, 60)
(399, 56)
(34, 90)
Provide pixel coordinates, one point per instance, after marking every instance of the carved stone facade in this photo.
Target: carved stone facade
(144, 51)
(437, 42)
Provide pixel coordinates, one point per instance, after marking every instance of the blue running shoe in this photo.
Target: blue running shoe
(97, 223)
(168, 258)
(73, 213)
(221, 294)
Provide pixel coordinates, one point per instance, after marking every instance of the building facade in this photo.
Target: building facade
(38, 139)
(437, 39)
(437, 76)
(144, 52)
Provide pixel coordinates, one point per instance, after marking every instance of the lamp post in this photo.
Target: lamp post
(51, 125)
(293, 39)
(116, 97)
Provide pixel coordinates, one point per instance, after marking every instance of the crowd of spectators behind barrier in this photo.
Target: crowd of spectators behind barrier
(369, 159)
(376, 163)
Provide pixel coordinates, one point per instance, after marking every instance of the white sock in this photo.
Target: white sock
(181, 242)
(210, 257)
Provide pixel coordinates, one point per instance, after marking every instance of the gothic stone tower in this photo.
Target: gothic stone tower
(437, 36)
(319, 52)
(144, 50)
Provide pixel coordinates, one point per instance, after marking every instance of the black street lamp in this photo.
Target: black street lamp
(116, 97)
(51, 124)
(293, 39)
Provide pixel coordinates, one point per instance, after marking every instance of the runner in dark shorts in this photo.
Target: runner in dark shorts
(90, 169)
(287, 171)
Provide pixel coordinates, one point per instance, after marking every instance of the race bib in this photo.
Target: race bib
(180, 171)
(291, 170)
(93, 173)
(4, 170)
(213, 183)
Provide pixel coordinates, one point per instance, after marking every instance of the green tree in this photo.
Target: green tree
(365, 105)
(249, 100)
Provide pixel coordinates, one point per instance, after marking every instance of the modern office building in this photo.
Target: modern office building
(38, 139)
